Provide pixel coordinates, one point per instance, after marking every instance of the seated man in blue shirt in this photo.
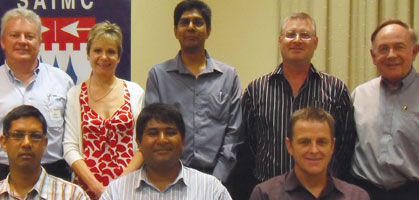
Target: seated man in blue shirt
(310, 142)
(24, 139)
(206, 91)
(160, 135)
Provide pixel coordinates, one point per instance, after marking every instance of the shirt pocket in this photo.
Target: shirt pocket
(406, 134)
(56, 106)
(218, 105)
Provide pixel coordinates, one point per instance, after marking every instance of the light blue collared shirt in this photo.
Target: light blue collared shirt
(48, 92)
(387, 122)
(189, 184)
(210, 106)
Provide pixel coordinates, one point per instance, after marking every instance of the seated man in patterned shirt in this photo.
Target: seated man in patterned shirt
(24, 140)
(310, 142)
(160, 133)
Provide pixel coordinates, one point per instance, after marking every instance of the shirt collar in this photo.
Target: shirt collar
(279, 73)
(38, 187)
(178, 65)
(406, 81)
(292, 183)
(12, 76)
(181, 178)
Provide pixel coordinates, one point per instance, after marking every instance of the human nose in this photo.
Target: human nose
(26, 141)
(314, 148)
(391, 53)
(22, 38)
(162, 138)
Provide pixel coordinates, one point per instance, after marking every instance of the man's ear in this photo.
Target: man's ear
(289, 146)
(138, 145)
(3, 143)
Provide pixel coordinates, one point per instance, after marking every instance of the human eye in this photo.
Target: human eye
(17, 135)
(383, 49)
(304, 142)
(112, 51)
(322, 142)
(399, 47)
(198, 22)
(171, 131)
(37, 136)
(152, 132)
(290, 34)
(14, 35)
(184, 22)
(305, 35)
(97, 50)
(30, 36)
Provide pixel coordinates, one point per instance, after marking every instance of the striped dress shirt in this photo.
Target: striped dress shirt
(47, 187)
(190, 184)
(268, 104)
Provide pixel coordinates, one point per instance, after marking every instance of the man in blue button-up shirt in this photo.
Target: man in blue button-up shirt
(25, 80)
(205, 90)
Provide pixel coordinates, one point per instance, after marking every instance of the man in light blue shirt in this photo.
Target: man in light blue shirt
(25, 80)
(160, 133)
(386, 155)
(206, 91)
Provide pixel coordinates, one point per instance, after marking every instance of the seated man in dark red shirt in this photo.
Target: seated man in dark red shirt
(310, 142)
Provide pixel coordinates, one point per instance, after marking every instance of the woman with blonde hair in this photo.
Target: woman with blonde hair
(99, 140)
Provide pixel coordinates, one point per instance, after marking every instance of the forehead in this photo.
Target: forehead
(191, 14)
(26, 123)
(105, 41)
(153, 123)
(22, 24)
(311, 129)
(393, 33)
(298, 25)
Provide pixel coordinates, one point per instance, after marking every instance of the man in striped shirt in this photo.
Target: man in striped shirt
(269, 101)
(24, 140)
(160, 133)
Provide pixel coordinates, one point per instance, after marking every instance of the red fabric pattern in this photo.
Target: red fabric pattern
(107, 143)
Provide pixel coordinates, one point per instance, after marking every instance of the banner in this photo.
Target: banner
(65, 26)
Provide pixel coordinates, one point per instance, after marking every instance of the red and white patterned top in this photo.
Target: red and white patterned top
(107, 143)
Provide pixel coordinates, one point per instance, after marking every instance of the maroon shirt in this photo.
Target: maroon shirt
(288, 187)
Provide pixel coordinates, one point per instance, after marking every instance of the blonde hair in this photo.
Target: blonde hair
(108, 31)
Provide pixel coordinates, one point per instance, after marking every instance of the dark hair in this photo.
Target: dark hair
(387, 22)
(187, 5)
(311, 114)
(23, 111)
(160, 112)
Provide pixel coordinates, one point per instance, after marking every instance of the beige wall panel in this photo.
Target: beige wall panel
(338, 47)
(244, 34)
(152, 37)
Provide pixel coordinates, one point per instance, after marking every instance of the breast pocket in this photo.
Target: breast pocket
(218, 105)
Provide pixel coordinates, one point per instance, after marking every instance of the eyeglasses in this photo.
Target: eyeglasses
(198, 22)
(20, 135)
(292, 35)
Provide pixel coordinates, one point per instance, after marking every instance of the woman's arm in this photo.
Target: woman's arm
(136, 162)
(82, 171)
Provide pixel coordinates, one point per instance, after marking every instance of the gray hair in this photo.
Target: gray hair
(301, 16)
(20, 13)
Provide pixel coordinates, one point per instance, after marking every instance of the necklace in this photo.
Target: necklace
(100, 98)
